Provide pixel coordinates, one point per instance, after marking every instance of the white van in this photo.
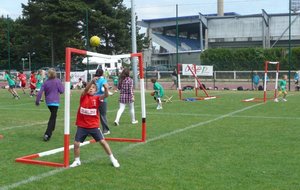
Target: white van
(112, 65)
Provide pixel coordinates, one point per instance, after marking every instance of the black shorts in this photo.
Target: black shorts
(82, 133)
(12, 86)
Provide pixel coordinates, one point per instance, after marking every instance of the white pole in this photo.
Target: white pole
(133, 42)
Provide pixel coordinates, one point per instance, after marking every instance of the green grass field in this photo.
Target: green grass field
(215, 144)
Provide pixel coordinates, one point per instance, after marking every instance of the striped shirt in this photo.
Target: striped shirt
(126, 91)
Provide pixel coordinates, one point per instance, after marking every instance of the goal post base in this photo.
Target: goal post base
(257, 99)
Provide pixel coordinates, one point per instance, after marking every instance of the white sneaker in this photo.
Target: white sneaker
(135, 122)
(159, 108)
(110, 93)
(106, 133)
(275, 100)
(284, 99)
(75, 164)
(115, 163)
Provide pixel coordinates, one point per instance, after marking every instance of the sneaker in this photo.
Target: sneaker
(106, 132)
(115, 163)
(284, 99)
(75, 164)
(275, 100)
(116, 123)
(110, 93)
(135, 122)
(159, 108)
(46, 138)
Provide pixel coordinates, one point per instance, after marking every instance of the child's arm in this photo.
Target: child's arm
(105, 86)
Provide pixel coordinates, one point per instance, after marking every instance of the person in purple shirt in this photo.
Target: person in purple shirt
(52, 88)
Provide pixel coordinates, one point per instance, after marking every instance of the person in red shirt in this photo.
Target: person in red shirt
(32, 83)
(22, 78)
(87, 122)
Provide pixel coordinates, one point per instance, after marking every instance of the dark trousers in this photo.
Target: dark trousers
(52, 120)
(103, 119)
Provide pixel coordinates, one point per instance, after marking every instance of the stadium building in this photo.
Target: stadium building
(222, 30)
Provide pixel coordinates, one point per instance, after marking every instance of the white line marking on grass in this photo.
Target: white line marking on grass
(215, 115)
(55, 171)
(21, 126)
(14, 105)
(32, 178)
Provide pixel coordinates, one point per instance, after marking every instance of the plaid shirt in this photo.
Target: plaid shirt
(126, 91)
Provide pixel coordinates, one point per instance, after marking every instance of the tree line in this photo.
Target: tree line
(47, 27)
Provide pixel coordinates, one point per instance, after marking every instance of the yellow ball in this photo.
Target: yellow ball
(95, 41)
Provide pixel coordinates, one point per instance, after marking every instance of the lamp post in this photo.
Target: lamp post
(29, 59)
(8, 42)
(87, 46)
(23, 60)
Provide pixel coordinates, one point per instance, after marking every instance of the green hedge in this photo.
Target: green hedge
(225, 59)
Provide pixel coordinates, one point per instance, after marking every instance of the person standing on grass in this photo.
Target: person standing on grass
(88, 122)
(22, 77)
(174, 78)
(11, 85)
(101, 83)
(255, 81)
(115, 81)
(39, 82)
(52, 89)
(158, 93)
(32, 81)
(282, 89)
(125, 87)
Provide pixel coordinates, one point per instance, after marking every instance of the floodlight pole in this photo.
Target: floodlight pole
(177, 42)
(290, 49)
(8, 42)
(87, 47)
(133, 42)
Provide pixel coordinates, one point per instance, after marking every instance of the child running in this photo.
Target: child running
(11, 85)
(282, 89)
(158, 93)
(22, 78)
(88, 122)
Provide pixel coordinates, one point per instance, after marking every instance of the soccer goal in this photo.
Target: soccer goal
(266, 79)
(30, 159)
(195, 71)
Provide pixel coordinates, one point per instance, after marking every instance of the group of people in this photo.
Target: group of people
(93, 108)
(35, 82)
(93, 105)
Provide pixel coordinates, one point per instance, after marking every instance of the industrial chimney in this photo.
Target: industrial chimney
(220, 7)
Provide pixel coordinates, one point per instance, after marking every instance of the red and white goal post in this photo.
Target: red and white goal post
(265, 80)
(195, 71)
(29, 159)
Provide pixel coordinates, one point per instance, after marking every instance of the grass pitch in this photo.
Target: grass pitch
(217, 144)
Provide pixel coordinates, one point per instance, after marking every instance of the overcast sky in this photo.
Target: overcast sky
(149, 9)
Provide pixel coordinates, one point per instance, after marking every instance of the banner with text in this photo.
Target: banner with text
(201, 70)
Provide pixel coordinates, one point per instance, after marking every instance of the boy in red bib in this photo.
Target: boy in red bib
(88, 122)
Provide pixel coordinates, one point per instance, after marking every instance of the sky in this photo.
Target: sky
(151, 9)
